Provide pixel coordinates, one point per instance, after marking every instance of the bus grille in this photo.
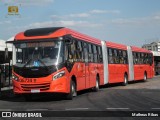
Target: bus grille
(41, 87)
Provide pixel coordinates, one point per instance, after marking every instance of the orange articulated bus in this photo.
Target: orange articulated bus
(60, 60)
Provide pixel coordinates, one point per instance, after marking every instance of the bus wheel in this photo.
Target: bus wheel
(73, 92)
(125, 80)
(96, 88)
(145, 77)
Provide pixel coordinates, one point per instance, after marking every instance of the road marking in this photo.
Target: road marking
(5, 109)
(117, 108)
(36, 109)
(76, 108)
(156, 108)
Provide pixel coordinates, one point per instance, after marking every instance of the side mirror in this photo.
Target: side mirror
(6, 54)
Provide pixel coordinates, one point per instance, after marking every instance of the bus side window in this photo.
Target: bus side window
(101, 55)
(113, 56)
(121, 59)
(71, 52)
(97, 54)
(145, 58)
(80, 51)
(90, 53)
(139, 58)
(134, 58)
(110, 56)
(66, 52)
(116, 59)
(94, 53)
(150, 59)
(125, 57)
(142, 58)
(85, 51)
(100, 59)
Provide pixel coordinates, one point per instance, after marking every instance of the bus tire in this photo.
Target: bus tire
(145, 77)
(125, 80)
(96, 88)
(73, 92)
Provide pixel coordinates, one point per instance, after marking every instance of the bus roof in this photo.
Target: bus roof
(116, 45)
(53, 32)
(137, 49)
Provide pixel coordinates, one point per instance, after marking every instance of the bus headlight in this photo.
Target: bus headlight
(14, 77)
(58, 75)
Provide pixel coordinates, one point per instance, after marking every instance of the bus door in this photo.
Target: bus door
(110, 65)
(137, 66)
(92, 64)
(86, 71)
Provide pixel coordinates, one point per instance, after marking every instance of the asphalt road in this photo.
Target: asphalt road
(136, 96)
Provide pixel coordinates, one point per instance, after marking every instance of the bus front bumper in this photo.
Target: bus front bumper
(57, 86)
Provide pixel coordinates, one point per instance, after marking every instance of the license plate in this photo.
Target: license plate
(35, 91)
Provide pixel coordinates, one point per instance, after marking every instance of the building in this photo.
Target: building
(154, 46)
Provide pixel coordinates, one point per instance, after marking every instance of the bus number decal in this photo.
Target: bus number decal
(27, 80)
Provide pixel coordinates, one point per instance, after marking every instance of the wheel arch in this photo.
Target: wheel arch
(125, 73)
(98, 77)
(73, 78)
(145, 72)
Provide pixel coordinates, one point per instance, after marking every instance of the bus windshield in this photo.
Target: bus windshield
(39, 54)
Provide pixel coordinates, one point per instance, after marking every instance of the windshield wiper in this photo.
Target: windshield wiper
(47, 68)
(27, 63)
(44, 64)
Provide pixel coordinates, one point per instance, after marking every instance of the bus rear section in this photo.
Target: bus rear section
(56, 60)
(117, 63)
(127, 63)
(141, 64)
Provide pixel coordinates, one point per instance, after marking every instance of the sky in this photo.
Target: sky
(129, 22)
